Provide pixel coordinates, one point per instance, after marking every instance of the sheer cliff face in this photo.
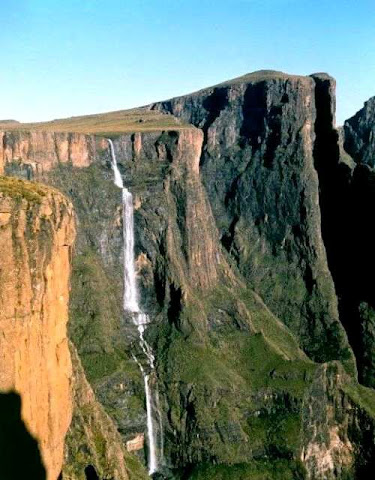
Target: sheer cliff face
(174, 222)
(38, 152)
(37, 230)
(258, 168)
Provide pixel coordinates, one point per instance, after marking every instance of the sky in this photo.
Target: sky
(62, 58)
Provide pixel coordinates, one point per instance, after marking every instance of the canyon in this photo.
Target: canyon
(218, 292)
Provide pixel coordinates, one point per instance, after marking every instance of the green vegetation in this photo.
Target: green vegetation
(96, 324)
(94, 317)
(19, 189)
(257, 470)
(362, 396)
(245, 379)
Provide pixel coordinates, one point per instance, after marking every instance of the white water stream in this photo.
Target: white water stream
(131, 305)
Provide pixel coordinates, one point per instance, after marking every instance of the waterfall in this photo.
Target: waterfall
(140, 319)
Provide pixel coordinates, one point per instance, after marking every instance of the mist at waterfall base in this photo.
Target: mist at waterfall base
(140, 319)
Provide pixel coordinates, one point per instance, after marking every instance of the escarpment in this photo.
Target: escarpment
(239, 261)
(37, 231)
(258, 168)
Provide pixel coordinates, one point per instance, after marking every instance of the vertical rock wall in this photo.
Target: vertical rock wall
(257, 166)
(37, 230)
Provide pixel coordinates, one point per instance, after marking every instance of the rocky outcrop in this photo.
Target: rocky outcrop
(258, 168)
(37, 230)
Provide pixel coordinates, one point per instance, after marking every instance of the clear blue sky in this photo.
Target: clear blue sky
(69, 57)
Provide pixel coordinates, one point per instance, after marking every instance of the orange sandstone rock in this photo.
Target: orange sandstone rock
(37, 230)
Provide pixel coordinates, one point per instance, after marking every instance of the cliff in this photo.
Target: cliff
(239, 257)
(258, 168)
(40, 151)
(37, 231)
(343, 161)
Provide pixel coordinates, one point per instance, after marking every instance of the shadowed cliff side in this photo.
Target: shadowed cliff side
(347, 194)
(357, 283)
(19, 453)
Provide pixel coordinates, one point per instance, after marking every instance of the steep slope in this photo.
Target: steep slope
(93, 441)
(36, 234)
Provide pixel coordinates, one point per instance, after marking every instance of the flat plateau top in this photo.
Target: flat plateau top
(122, 121)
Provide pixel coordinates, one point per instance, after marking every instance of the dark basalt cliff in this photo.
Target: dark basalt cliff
(241, 256)
(258, 168)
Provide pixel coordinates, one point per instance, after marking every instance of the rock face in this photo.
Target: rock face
(37, 230)
(40, 151)
(258, 168)
(334, 419)
(173, 214)
(359, 134)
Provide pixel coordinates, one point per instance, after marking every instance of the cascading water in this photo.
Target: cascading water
(130, 304)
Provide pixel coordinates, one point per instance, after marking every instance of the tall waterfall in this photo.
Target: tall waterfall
(140, 319)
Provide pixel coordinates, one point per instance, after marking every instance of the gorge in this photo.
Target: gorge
(220, 302)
